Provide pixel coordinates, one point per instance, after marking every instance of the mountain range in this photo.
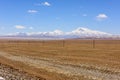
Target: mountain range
(79, 33)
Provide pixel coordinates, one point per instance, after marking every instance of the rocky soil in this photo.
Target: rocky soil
(8, 73)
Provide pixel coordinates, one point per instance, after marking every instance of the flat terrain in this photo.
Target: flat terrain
(62, 59)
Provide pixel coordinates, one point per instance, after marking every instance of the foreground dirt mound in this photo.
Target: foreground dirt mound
(9, 73)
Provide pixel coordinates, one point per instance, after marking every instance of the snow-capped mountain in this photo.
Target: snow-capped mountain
(78, 33)
(87, 33)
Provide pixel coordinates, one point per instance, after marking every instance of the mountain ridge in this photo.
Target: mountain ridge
(80, 32)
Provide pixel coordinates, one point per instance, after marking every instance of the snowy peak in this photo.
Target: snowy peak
(81, 29)
(56, 33)
(87, 31)
(80, 32)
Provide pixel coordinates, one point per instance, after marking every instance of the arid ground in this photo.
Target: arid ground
(62, 59)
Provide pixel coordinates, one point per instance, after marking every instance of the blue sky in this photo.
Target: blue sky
(65, 15)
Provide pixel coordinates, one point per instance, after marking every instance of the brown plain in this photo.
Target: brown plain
(64, 59)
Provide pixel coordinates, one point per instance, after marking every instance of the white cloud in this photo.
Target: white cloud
(46, 4)
(20, 27)
(32, 11)
(102, 16)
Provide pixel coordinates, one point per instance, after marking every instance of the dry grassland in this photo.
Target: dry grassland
(64, 60)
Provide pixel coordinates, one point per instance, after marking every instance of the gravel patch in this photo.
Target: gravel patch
(8, 73)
